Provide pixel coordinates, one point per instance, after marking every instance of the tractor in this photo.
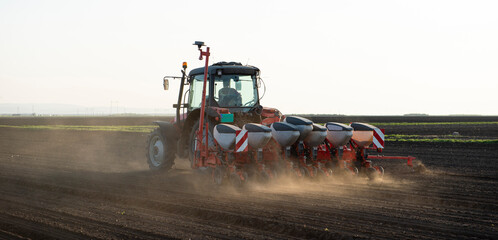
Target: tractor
(222, 128)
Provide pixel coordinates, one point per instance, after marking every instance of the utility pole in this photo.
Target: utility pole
(116, 103)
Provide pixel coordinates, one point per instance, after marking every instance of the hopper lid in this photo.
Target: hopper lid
(334, 126)
(226, 128)
(282, 126)
(254, 127)
(319, 128)
(295, 120)
(362, 126)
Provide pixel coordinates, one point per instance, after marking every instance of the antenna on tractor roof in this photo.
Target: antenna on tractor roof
(199, 44)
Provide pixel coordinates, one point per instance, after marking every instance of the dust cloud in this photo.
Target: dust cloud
(120, 157)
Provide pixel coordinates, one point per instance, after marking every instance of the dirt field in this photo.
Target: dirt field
(81, 184)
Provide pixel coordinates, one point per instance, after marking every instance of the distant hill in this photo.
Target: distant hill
(415, 114)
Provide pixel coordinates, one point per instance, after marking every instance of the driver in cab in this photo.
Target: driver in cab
(229, 96)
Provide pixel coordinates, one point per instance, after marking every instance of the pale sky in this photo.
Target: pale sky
(323, 57)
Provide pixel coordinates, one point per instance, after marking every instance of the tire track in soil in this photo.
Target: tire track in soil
(77, 195)
(29, 229)
(106, 229)
(349, 214)
(472, 160)
(188, 210)
(453, 200)
(304, 218)
(409, 209)
(435, 189)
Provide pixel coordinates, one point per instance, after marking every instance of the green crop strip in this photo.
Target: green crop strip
(431, 123)
(424, 123)
(146, 128)
(421, 136)
(435, 139)
(438, 140)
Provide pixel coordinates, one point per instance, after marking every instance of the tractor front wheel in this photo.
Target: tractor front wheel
(160, 152)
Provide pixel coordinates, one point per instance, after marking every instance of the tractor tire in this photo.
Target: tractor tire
(267, 175)
(325, 173)
(219, 175)
(237, 182)
(355, 172)
(314, 171)
(192, 144)
(304, 172)
(380, 170)
(372, 173)
(274, 174)
(159, 151)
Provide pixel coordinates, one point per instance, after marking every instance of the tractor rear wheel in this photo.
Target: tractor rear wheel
(160, 152)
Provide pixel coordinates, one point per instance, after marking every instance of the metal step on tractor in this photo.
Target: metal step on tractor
(223, 129)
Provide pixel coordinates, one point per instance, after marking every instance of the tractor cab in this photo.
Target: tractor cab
(230, 85)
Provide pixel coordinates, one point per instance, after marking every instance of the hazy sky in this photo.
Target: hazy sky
(330, 57)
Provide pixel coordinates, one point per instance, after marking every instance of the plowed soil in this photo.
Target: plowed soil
(66, 184)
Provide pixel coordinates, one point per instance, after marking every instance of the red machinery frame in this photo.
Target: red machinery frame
(204, 149)
(324, 153)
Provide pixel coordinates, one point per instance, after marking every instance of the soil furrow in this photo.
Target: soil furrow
(82, 184)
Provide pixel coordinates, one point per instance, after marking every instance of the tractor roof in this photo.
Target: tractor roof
(227, 68)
